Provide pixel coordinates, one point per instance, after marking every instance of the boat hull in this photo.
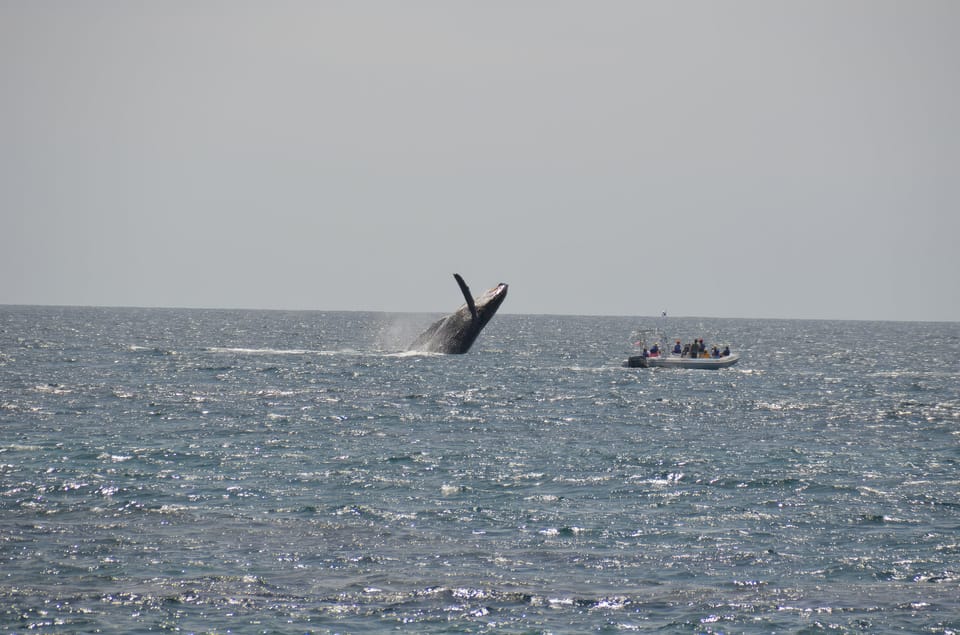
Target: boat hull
(671, 361)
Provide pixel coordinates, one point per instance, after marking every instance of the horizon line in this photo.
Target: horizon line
(519, 314)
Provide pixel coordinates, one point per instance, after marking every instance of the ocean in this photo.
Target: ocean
(214, 471)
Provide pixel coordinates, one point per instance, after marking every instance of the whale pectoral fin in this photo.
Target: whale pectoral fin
(466, 294)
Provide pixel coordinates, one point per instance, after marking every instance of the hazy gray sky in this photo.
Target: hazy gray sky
(796, 159)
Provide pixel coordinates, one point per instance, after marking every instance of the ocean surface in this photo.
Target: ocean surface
(202, 471)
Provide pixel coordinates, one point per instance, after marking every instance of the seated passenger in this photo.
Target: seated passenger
(654, 351)
(677, 350)
(726, 351)
(715, 352)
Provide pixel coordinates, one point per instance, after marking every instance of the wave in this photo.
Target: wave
(153, 350)
(275, 351)
(413, 354)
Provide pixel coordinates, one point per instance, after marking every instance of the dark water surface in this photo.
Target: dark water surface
(242, 471)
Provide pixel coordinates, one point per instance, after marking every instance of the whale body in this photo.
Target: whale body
(456, 333)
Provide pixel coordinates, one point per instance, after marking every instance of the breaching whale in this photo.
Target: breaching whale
(457, 332)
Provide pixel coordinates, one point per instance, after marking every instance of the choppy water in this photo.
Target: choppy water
(236, 471)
